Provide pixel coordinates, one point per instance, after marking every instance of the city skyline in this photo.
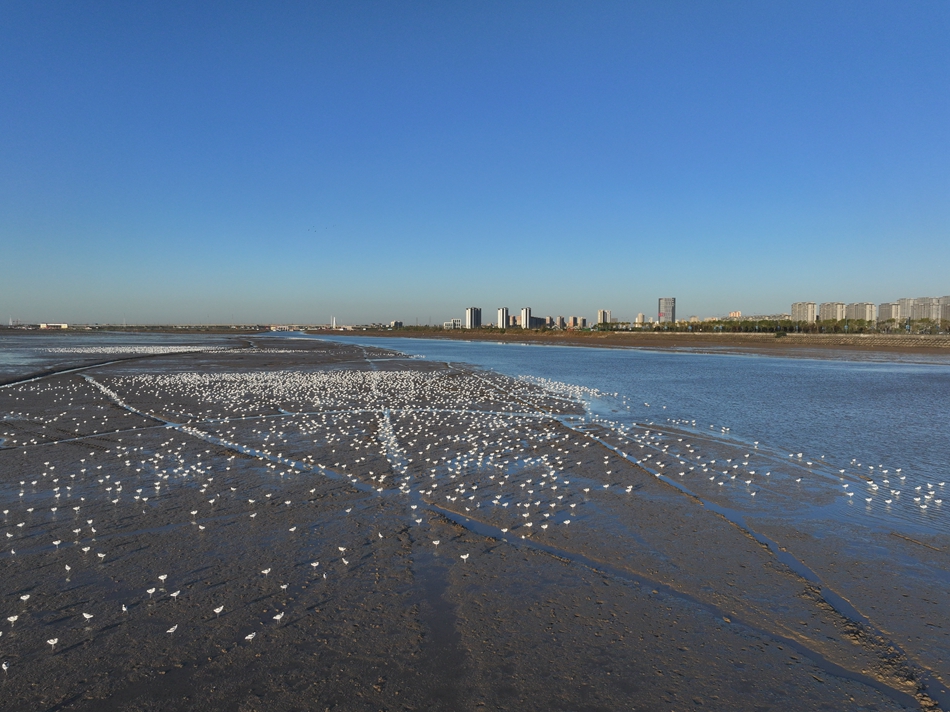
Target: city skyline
(388, 161)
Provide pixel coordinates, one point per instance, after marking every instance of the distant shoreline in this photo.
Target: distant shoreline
(787, 345)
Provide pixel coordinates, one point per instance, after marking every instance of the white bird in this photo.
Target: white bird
(279, 616)
(52, 642)
(172, 629)
(250, 636)
(217, 611)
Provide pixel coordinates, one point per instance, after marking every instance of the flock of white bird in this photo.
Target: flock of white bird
(520, 454)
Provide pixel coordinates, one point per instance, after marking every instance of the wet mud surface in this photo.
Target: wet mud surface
(328, 526)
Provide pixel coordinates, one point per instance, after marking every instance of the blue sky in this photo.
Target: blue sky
(257, 162)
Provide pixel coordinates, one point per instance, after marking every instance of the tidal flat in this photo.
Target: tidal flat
(284, 524)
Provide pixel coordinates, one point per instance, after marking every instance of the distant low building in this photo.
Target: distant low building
(54, 326)
(452, 324)
(735, 315)
(395, 324)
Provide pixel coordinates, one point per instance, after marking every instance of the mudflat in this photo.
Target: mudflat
(791, 345)
(327, 526)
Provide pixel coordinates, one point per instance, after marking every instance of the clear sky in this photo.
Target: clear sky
(258, 162)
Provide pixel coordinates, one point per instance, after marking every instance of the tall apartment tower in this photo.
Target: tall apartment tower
(503, 318)
(526, 318)
(804, 311)
(603, 316)
(831, 311)
(473, 318)
(666, 313)
(905, 308)
(926, 308)
(863, 311)
(887, 311)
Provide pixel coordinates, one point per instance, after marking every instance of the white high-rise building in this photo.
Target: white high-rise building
(926, 308)
(905, 308)
(831, 311)
(526, 318)
(603, 316)
(473, 318)
(804, 311)
(887, 311)
(641, 319)
(503, 318)
(863, 311)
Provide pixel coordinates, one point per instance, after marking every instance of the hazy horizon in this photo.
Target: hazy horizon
(239, 163)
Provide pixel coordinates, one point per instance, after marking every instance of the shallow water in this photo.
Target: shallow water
(838, 414)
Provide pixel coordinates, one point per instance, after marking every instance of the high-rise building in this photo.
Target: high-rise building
(559, 322)
(905, 308)
(887, 311)
(804, 311)
(473, 318)
(945, 308)
(861, 311)
(603, 316)
(831, 311)
(666, 313)
(926, 308)
(503, 318)
(640, 319)
(526, 318)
